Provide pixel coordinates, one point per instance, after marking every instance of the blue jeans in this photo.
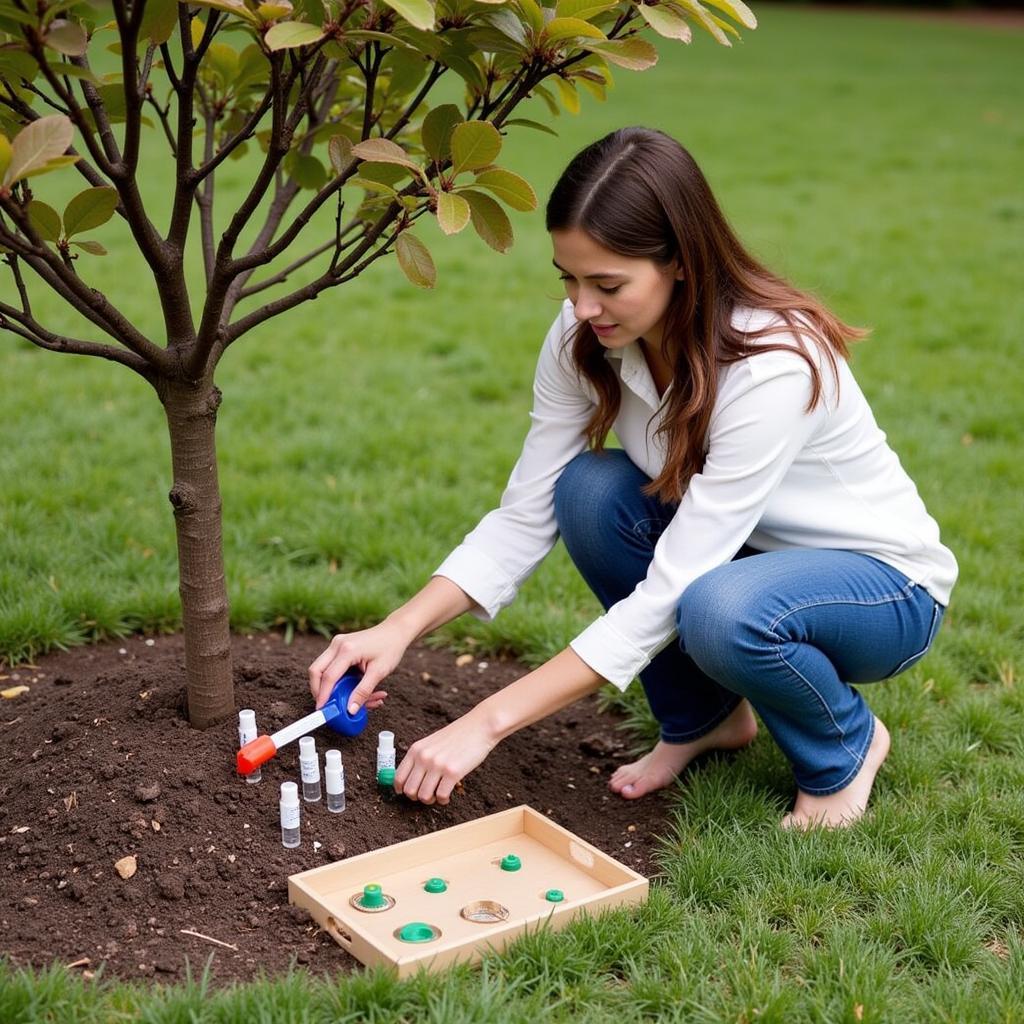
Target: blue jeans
(788, 630)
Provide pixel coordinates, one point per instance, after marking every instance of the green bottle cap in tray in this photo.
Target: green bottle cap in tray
(554, 895)
(435, 885)
(510, 862)
(373, 896)
(417, 931)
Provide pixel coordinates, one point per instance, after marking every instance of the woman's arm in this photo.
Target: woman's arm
(434, 764)
(378, 651)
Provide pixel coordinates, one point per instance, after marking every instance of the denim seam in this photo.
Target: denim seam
(642, 529)
(826, 790)
(903, 595)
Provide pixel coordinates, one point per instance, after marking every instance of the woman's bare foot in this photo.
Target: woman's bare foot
(844, 807)
(663, 764)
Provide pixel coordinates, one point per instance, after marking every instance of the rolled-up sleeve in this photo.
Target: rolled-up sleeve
(758, 428)
(509, 542)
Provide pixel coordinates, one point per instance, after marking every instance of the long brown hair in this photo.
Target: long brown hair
(639, 193)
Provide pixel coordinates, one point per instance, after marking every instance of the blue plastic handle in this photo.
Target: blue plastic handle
(336, 708)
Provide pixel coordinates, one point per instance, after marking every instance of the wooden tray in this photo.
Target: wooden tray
(468, 858)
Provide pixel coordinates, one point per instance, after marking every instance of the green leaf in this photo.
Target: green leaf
(585, 9)
(339, 152)
(406, 68)
(419, 13)
(666, 22)
(570, 28)
(36, 145)
(524, 122)
(533, 15)
(223, 61)
(73, 71)
(475, 144)
(45, 219)
(437, 131)
(568, 95)
(489, 220)
(159, 20)
(389, 174)
(274, 11)
(509, 187)
(52, 165)
(231, 6)
(695, 10)
(5, 156)
(307, 171)
(552, 104)
(383, 151)
(737, 10)
(67, 37)
(16, 64)
(89, 209)
(286, 35)
(452, 213)
(371, 186)
(90, 246)
(506, 22)
(632, 54)
(415, 260)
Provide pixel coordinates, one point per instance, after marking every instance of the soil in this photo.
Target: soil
(99, 764)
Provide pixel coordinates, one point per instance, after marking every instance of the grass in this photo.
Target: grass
(874, 160)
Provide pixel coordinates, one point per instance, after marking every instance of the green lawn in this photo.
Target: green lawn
(878, 162)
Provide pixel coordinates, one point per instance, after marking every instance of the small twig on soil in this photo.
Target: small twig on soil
(208, 938)
(81, 962)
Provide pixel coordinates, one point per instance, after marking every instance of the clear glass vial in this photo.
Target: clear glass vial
(291, 815)
(385, 750)
(309, 768)
(334, 779)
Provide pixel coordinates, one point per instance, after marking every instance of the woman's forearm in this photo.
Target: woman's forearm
(559, 682)
(438, 602)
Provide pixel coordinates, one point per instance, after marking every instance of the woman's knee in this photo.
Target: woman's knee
(589, 487)
(719, 620)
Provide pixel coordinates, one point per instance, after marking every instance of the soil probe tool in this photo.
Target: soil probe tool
(333, 714)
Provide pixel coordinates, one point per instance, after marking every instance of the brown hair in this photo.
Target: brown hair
(639, 193)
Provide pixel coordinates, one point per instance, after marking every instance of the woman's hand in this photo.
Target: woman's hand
(376, 652)
(435, 764)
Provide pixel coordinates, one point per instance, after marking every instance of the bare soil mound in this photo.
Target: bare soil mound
(99, 764)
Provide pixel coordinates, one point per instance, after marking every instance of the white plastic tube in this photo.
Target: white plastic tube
(334, 780)
(291, 815)
(309, 768)
(246, 732)
(385, 750)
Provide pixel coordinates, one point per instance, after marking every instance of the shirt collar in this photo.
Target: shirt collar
(635, 374)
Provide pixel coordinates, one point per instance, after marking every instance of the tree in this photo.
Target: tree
(324, 103)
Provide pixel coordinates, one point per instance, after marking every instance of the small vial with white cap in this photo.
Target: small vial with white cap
(247, 732)
(385, 750)
(291, 815)
(309, 769)
(334, 779)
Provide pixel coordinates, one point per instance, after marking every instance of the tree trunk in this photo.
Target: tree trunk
(195, 496)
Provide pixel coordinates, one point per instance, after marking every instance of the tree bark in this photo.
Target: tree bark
(191, 410)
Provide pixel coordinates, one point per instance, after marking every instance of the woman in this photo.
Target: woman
(756, 544)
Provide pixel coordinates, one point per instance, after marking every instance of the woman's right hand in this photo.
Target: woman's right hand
(375, 651)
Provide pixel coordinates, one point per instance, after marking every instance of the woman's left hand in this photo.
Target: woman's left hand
(435, 764)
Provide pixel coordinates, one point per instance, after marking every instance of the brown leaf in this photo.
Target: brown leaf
(13, 691)
(463, 659)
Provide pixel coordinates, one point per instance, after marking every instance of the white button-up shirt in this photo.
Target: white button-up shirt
(775, 477)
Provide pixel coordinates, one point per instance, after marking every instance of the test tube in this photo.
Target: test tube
(291, 815)
(309, 769)
(334, 779)
(247, 732)
(385, 750)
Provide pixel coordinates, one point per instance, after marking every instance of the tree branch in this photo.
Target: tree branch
(24, 326)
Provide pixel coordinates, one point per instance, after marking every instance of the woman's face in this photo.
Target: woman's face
(623, 298)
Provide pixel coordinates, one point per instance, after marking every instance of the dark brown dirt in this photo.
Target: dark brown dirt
(98, 763)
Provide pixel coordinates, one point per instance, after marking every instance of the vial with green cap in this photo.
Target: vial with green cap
(386, 777)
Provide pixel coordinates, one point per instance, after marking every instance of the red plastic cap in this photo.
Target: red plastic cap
(255, 753)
